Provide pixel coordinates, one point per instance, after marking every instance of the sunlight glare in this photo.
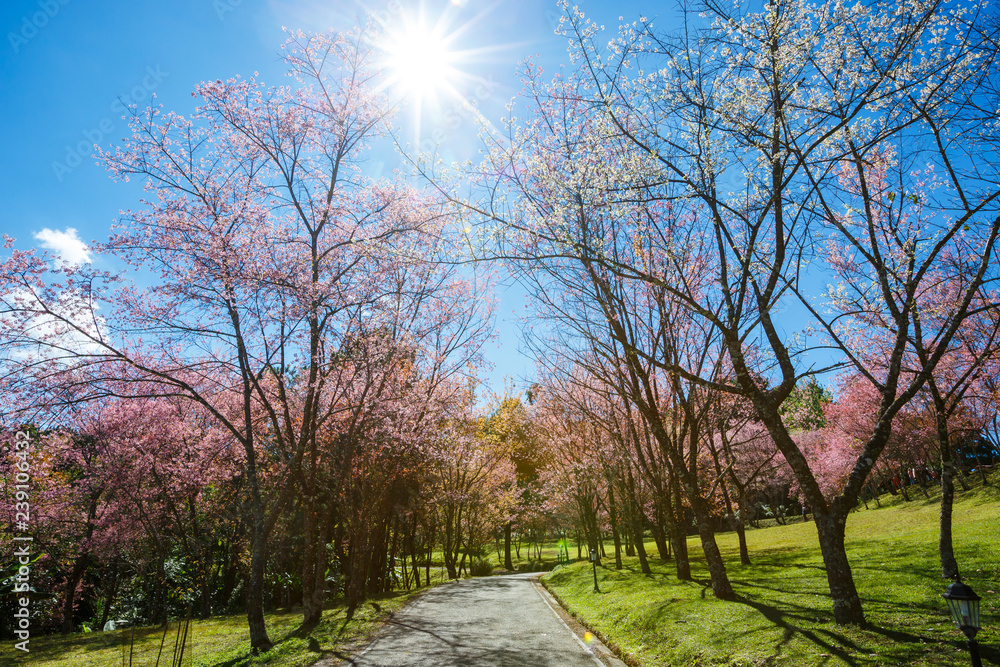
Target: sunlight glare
(419, 61)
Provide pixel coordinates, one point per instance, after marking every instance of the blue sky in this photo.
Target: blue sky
(67, 66)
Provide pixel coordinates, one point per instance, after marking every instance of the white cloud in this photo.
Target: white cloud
(70, 327)
(65, 245)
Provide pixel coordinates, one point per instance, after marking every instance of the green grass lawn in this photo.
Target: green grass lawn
(783, 616)
(526, 560)
(221, 641)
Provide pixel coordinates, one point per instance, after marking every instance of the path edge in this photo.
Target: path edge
(599, 648)
(364, 645)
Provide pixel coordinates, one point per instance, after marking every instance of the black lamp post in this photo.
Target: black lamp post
(593, 559)
(963, 603)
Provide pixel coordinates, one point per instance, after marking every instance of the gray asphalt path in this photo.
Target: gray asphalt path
(498, 621)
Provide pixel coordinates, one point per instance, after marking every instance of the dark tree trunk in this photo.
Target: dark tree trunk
(683, 565)
(413, 551)
(660, 539)
(230, 574)
(451, 564)
(613, 512)
(431, 535)
(111, 591)
(847, 608)
(356, 577)
(205, 604)
(160, 594)
(962, 478)
(663, 527)
(678, 538)
(588, 517)
(312, 606)
(736, 520)
(450, 541)
(259, 641)
(904, 482)
(946, 550)
(721, 588)
(506, 548)
(636, 526)
(741, 533)
(79, 567)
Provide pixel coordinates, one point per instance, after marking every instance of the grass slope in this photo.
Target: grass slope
(221, 641)
(783, 615)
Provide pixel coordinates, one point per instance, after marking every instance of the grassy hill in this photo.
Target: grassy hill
(783, 616)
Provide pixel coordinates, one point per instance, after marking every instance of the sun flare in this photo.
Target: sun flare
(432, 68)
(419, 62)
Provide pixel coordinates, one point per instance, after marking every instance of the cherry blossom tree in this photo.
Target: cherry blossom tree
(740, 164)
(259, 240)
(475, 488)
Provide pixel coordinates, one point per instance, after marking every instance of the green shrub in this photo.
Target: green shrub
(480, 567)
(532, 566)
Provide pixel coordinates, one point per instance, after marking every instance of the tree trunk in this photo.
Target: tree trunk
(451, 565)
(312, 598)
(430, 538)
(949, 566)
(413, 552)
(159, 605)
(678, 538)
(205, 609)
(961, 476)
(660, 539)
(230, 574)
(109, 595)
(613, 513)
(79, 566)
(506, 548)
(259, 641)
(830, 527)
(663, 527)
(741, 533)
(450, 542)
(735, 518)
(721, 588)
(681, 561)
(903, 483)
(637, 537)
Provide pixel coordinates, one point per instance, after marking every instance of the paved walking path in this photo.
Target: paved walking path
(502, 621)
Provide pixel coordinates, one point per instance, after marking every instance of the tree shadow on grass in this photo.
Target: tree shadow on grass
(313, 648)
(879, 559)
(778, 618)
(789, 614)
(636, 570)
(325, 626)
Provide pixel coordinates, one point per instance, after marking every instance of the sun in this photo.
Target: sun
(433, 66)
(419, 61)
